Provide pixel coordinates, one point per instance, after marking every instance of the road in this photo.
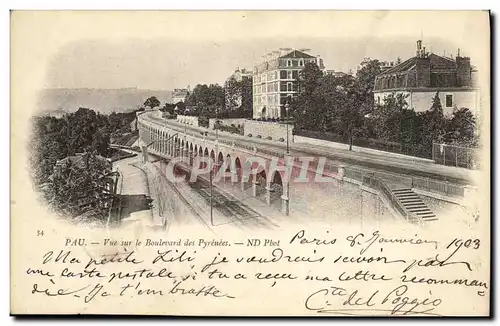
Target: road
(227, 210)
(135, 212)
(374, 162)
(184, 205)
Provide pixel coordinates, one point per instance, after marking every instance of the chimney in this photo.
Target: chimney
(319, 61)
(464, 74)
(423, 67)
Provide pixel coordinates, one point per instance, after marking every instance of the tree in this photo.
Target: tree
(308, 107)
(461, 128)
(366, 81)
(238, 97)
(81, 189)
(309, 78)
(152, 102)
(388, 117)
(431, 126)
(433, 121)
(203, 95)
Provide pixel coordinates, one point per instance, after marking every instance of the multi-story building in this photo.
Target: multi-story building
(236, 95)
(241, 73)
(275, 80)
(336, 74)
(180, 94)
(422, 76)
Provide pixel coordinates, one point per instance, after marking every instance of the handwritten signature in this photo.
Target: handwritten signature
(397, 302)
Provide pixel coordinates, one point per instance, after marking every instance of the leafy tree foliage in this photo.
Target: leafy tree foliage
(366, 81)
(344, 108)
(82, 189)
(85, 130)
(238, 96)
(152, 102)
(461, 128)
(75, 189)
(206, 95)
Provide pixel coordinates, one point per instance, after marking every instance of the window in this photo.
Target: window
(283, 74)
(301, 63)
(295, 74)
(289, 87)
(289, 63)
(289, 74)
(295, 63)
(449, 101)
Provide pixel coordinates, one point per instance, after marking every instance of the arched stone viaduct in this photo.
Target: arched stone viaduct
(271, 179)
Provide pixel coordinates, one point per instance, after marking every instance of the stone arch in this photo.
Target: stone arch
(261, 182)
(238, 167)
(164, 143)
(228, 166)
(168, 143)
(177, 147)
(191, 154)
(219, 163)
(276, 187)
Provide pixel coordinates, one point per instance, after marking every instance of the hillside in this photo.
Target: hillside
(103, 100)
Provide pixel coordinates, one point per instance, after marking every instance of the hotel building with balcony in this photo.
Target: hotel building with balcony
(275, 80)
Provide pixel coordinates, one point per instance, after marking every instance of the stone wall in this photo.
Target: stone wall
(193, 121)
(226, 122)
(266, 129)
(422, 100)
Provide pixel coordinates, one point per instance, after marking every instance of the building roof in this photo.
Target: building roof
(77, 160)
(243, 71)
(297, 54)
(180, 92)
(436, 62)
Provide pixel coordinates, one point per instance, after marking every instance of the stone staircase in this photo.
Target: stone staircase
(414, 204)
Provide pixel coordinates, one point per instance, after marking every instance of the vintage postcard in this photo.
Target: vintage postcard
(250, 163)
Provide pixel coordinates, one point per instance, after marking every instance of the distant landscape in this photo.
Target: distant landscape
(58, 101)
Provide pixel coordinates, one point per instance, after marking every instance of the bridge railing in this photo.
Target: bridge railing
(354, 174)
(443, 187)
(422, 183)
(373, 182)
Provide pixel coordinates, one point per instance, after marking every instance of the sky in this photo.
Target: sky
(166, 50)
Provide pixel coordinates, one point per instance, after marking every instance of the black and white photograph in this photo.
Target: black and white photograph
(251, 163)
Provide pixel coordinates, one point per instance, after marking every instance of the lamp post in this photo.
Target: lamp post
(216, 124)
(211, 204)
(285, 198)
(287, 108)
(212, 167)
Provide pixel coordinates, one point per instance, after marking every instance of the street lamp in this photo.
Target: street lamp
(287, 108)
(211, 195)
(212, 167)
